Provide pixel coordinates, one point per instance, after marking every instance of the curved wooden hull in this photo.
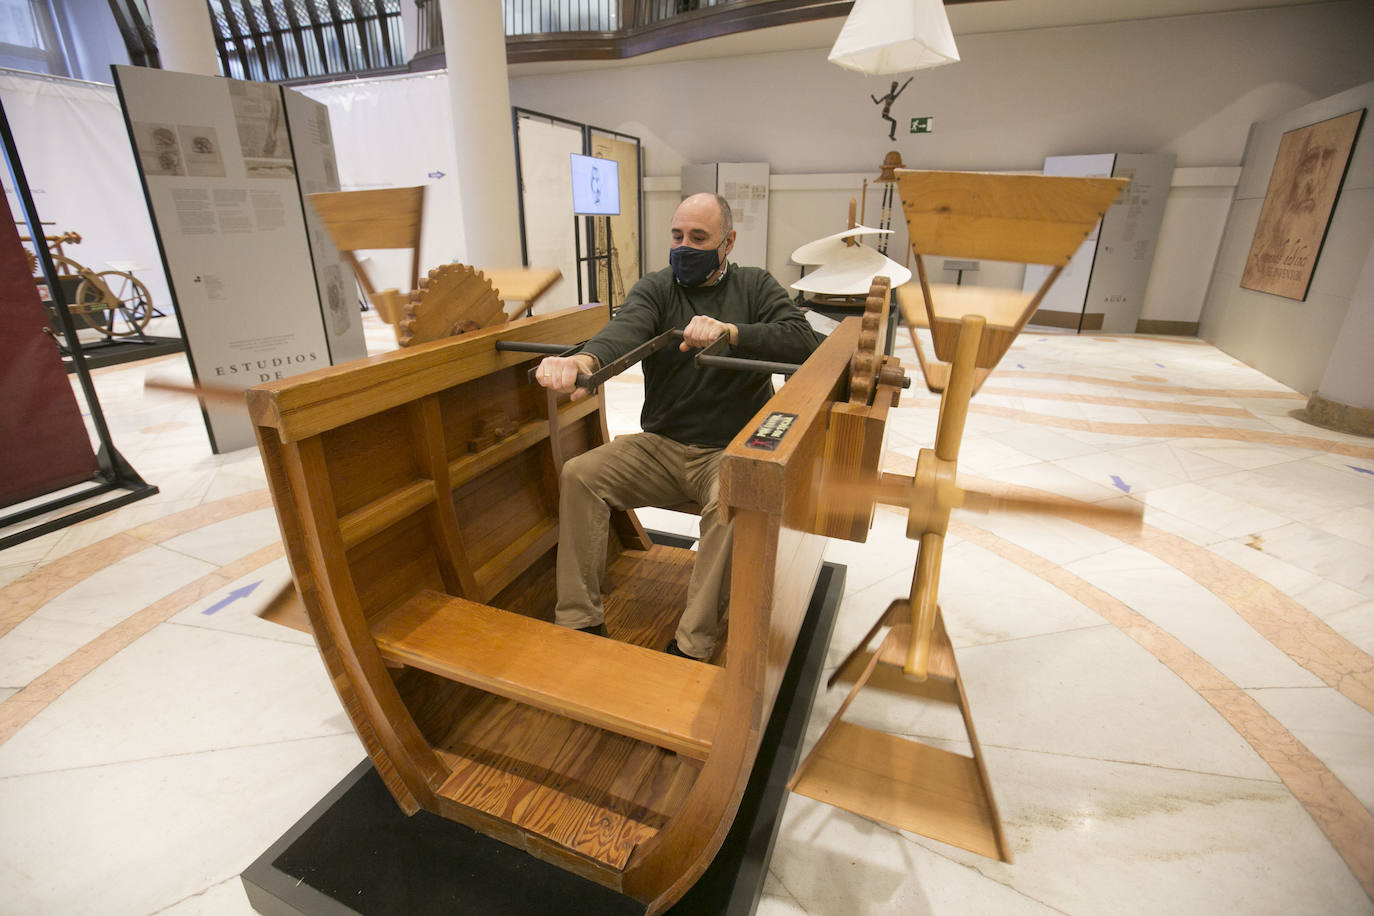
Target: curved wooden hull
(417, 494)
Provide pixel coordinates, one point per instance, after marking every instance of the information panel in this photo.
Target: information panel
(224, 189)
(313, 143)
(1104, 284)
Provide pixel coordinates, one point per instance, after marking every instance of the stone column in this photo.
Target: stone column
(185, 36)
(475, 48)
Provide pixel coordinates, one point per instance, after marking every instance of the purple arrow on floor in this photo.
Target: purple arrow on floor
(1120, 484)
(1361, 470)
(233, 596)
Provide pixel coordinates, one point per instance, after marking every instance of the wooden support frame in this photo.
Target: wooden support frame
(884, 777)
(1026, 219)
(937, 793)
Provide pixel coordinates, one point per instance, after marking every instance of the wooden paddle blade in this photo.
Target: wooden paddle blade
(925, 590)
(287, 609)
(1131, 513)
(213, 393)
(897, 612)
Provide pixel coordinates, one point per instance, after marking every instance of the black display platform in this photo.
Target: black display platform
(355, 852)
(115, 351)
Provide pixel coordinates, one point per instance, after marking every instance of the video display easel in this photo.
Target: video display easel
(614, 255)
(596, 197)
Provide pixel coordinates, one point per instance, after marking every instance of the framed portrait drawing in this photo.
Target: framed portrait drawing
(1297, 207)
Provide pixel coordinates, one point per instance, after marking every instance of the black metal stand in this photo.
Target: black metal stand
(113, 351)
(356, 852)
(115, 474)
(591, 259)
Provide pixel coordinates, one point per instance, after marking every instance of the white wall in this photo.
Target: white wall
(81, 172)
(1292, 341)
(1349, 376)
(397, 132)
(1187, 85)
(1194, 217)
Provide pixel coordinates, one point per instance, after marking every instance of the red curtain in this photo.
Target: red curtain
(44, 445)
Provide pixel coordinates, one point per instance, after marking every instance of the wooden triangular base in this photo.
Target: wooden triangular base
(897, 781)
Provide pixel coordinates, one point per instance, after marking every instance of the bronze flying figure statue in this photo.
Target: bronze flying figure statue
(886, 101)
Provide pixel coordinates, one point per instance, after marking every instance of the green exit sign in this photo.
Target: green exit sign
(922, 125)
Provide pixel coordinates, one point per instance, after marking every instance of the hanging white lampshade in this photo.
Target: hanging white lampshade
(895, 36)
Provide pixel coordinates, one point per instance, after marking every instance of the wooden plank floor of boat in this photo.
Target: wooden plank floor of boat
(595, 794)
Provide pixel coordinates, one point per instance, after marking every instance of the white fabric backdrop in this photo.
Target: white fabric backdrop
(546, 172)
(388, 132)
(80, 168)
(397, 132)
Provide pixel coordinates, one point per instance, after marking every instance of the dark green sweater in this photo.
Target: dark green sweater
(705, 406)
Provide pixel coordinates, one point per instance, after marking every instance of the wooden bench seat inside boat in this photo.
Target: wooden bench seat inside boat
(664, 700)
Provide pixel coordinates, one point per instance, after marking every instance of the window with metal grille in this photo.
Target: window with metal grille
(297, 39)
(28, 38)
(534, 17)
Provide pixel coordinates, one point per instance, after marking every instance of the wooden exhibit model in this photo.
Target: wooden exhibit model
(379, 218)
(454, 298)
(1024, 219)
(888, 179)
(417, 494)
(884, 777)
(114, 302)
(845, 267)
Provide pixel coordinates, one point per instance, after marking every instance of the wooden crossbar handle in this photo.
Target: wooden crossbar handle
(708, 356)
(214, 393)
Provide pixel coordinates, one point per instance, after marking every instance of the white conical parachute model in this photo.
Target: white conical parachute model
(844, 269)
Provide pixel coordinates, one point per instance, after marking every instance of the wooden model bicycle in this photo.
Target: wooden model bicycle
(114, 302)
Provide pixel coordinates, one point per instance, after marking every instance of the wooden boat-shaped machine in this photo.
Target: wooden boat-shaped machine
(417, 494)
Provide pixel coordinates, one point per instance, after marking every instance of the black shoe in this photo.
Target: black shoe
(598, 630)
(672, 649)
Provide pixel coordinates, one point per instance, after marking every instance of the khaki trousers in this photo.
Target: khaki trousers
(632, 471)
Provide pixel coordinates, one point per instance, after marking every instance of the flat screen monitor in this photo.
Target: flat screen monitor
(595, 186)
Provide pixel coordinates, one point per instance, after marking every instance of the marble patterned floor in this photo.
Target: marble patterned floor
(1175, 720)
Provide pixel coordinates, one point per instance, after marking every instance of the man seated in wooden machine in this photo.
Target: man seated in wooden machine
(690, 414)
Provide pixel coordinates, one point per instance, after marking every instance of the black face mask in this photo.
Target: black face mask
(691, 265)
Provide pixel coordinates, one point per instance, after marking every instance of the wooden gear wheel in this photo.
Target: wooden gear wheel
(869, 368)
(454, 299)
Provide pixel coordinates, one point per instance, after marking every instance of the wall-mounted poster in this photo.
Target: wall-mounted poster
(1297, 207)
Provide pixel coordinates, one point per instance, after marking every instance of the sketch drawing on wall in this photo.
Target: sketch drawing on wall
(1307, 176)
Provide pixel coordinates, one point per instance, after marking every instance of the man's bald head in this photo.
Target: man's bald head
(707, 209)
